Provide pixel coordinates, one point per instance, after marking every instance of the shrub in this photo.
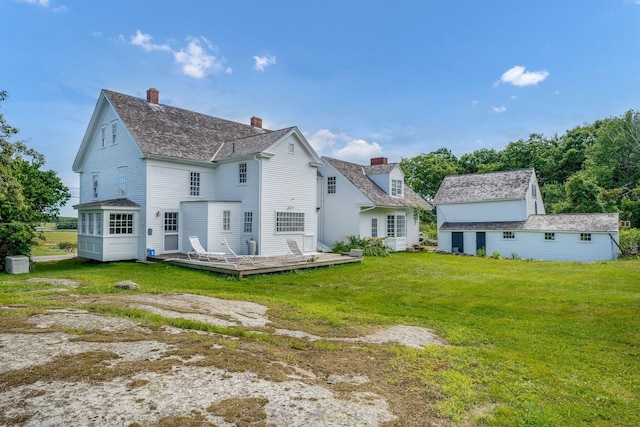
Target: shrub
(630, 242)
(495, 255)
(482, 252)
(371, 246)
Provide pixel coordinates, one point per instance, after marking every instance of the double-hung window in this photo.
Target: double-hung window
(94, 179)
(122, 180)
(194, 186)
(114, 132)
(226, 220)
(242, 173)
(331, 185)
(374, 227)
(103, 137)
(396, 187)
(248, 222)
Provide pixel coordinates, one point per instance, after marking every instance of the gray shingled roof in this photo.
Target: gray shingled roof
(120, 203)
(168, 131)
(592, 223)
(357, 175)
(481, 187)
(250, 145)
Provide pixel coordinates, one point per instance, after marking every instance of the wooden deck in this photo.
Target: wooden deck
(260, 265)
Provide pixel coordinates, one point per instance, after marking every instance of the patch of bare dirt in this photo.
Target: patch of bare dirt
(76, 367)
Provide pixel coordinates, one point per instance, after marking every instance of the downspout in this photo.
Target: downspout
(259, 215)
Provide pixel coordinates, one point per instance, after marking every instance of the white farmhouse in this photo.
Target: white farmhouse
(503, 212)
(367, 201)
(151, 175)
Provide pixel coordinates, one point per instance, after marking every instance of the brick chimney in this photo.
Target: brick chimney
(256, 122)
(378, 161)
(153, 96)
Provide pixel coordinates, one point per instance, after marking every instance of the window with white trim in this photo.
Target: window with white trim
(508, 235)
(248, 222)
(194, 184)
(90, 223)
(226, 220)
(534, 190)
(585, 237)
(291, 148)
(289, 222)
(114, 132)
(374, 227)
(396, 187)
(83, 223)
(396, 226)
(331, 185)
(94, 179)
(120, 223)
(103, 136)
(549, 236)
(122, 180)
(242, 173)
(98, 218)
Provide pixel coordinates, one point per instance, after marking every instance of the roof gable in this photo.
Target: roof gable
(484, 187)
(358, 176)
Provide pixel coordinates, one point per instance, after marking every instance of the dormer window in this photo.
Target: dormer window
(396, 187)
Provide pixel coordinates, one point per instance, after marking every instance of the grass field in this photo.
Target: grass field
(53, 238)
(532, 343)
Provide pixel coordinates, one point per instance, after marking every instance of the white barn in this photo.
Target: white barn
(151, 175)
(503, 212)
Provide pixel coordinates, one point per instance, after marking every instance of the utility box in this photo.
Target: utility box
(17, 264)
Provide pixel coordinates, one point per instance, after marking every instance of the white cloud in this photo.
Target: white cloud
(344, 146)
(195, 58)
(46, 4)
(517, 76)
(144, 41)
(196, 62)
(474, 103)
(262, 62)
(500, 109)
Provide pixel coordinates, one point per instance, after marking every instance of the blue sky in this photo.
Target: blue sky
(360, 79)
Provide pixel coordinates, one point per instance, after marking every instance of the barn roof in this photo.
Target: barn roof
(585, 223)
(483, 187)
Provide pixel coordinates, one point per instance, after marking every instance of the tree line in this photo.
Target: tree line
(590, 168)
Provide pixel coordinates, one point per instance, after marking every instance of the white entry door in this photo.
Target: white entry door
(171, 235)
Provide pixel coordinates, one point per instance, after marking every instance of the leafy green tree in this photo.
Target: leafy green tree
(28, 195)
(583, 196)
(482, 160)
(424, 173)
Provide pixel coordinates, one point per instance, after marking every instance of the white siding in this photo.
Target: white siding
(288, 184)
(508, 210)
(340, 212)
(532, 245)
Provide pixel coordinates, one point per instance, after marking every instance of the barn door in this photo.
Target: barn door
(481, 241)
(457, 244)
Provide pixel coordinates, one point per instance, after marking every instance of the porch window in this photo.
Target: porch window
(226, 220)
(90, 223)
(549, 236)
(194, 186)
(396, 226)
(287, 222)
(508, 235)
(248, 222)
(374, 227)
(120, 223)
(83, 223)
(396, 187)
(331, 185)
(242, 173)
(585, 237)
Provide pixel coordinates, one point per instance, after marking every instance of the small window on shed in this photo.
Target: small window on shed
(585, 237)
(549, 236)
(508, 235)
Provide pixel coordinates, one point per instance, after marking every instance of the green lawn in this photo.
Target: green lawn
(532, 343)
(52, 239)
